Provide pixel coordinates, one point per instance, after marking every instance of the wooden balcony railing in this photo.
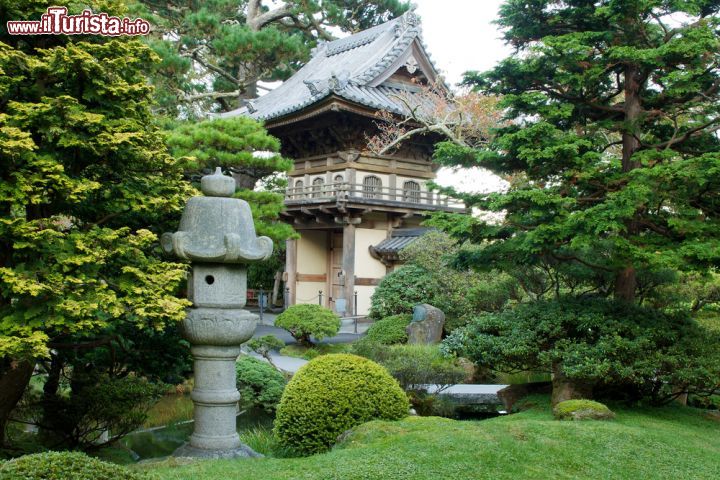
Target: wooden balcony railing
(371, 193)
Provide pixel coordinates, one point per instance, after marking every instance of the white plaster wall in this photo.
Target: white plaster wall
(365, 265)
(307, 292)
(364, 294)
(312, 252)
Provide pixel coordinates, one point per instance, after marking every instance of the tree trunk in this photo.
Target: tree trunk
(13, 381)
(564, 388)
(626, 279)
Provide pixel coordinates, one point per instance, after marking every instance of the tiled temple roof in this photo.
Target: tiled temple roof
(354, 68)
(389, 249)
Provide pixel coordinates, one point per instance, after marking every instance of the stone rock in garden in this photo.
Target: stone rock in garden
(426, 326)
(582, 410)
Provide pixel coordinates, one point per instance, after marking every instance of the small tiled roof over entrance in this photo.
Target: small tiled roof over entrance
(388, 250)
(356, 69)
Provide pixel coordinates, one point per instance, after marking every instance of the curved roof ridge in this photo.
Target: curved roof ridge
(346, 67)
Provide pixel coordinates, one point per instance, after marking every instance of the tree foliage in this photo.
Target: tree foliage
(594, 343)
(611, 152)
(242, 146)
(86, 185)
(308, 320)
(429, 277)
(214, 52)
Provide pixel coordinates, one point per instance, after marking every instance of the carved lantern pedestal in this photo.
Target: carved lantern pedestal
(217, 235)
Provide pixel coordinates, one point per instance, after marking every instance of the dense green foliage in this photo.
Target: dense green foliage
(670, 442)
(306, 320)
(241, 146)
(86, 185)
(259, 383)
(64, 466)
(414, 366)
(390, 330)
(332, 394)
(400, 290)
(96, 404)
(214, 52)
(582, 410)
(597, 343)
(429, 277)
(610, 148)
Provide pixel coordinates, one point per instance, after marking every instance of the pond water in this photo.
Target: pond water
(162, 441)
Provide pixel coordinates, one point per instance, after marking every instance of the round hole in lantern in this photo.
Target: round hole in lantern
(209, 279)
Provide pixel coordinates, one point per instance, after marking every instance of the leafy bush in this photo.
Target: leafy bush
(303, 321)
(582, 410)
(400, 290)
(414, 366)
(332, 394)
(264, 346)
(64, 466)
(595, 343)
(390, 330)
(98, 404)
(259, 383)
(429, 276)
(308, 353)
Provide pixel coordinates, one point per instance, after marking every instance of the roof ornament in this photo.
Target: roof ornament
(411, 64)
(338, 81)
(315, 86)
(250, 106)
(407, 21)
(320, 47)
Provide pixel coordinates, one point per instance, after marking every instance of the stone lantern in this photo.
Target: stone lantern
(217, 236)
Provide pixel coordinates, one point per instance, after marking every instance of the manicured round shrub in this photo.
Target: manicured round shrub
(260, 385)
(582, 410)
(64, 466)
(303, 321)
(390, 330)
(332, 394)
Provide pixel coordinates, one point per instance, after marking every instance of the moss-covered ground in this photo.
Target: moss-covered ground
(642, 443)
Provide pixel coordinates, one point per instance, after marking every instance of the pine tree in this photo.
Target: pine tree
(612, 151)
(244, 148)
(215, 51)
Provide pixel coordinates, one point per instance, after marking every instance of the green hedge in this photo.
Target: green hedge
(332, 394)
(303, 321)
(64, 466)
(390, 330)
(259, 383)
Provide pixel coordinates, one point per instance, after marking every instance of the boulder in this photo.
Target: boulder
(426, 326)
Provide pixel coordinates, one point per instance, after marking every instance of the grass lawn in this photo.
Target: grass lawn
(645, 443)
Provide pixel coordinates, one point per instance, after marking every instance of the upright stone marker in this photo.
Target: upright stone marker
(426, 326)
(217, 235)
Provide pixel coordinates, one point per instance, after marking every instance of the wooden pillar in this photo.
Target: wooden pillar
(393, 186)
(350, 179)
(291, 268)
(349, 266)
